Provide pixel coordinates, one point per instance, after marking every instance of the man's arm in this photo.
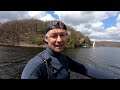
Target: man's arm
(90, 71)
(77, 67)
(35, 69)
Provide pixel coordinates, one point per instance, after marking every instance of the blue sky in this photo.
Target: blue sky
(97, 25)
(111, 21)
(52, 13)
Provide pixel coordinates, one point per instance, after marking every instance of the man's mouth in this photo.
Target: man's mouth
(59, 46)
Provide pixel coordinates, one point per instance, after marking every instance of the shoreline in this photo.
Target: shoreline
(44, 46)
(25, 45)
(29, 45)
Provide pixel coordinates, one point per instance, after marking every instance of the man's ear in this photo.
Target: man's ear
(45, 39)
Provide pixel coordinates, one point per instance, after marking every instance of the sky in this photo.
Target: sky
(97, 25)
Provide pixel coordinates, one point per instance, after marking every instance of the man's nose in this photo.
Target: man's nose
(59, 39)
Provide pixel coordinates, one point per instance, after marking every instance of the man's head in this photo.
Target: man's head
(54, 25)
(56, 35)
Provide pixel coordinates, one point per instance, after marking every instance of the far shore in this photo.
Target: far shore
(29, 45)
(97, 44)
(26, 45)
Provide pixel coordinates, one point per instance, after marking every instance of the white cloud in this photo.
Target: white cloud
(98, 26)
(37, 13)
(74, 17)
(12, 15)
(47, 17)
(78, 17)
(42, 15)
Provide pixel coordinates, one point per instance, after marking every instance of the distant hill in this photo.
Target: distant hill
(107, 44)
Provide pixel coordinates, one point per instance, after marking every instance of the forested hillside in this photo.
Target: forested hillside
(31, 31)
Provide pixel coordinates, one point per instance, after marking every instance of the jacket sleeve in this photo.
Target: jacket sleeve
(35, 69)
(91, 71)
(77, 67)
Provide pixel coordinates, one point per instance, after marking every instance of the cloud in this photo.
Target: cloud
(47, 17)
(42, 15)
(74, 17)
(79, 17)
(37, 14)
(13, 15)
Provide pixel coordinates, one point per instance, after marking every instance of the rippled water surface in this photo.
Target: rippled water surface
(14, 59)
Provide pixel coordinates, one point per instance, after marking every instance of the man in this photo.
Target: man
(51, 63)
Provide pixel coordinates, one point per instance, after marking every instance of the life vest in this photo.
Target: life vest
(54, 73)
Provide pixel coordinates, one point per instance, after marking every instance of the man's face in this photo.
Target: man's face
(56, 39)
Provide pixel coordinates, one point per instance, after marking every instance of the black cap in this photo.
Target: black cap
(54, 25)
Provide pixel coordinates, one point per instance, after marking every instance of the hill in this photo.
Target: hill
(107, 44)
(30, 32)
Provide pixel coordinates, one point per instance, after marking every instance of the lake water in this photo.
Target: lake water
(14, 59)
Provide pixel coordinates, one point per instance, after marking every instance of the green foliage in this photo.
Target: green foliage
(87, 40)
(81, 41)
(38, 40)
(70, 43)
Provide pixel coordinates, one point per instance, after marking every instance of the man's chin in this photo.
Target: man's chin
(59, 50)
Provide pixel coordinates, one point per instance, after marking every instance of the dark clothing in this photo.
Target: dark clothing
(51, 65)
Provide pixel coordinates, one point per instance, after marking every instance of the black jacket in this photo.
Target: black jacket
(51, 65)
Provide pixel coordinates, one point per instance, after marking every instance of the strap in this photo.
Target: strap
(58, 71)
(50, 68)
(45, 62)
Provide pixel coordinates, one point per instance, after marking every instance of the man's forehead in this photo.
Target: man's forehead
(57, 31)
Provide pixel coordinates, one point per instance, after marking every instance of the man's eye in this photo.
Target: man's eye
(62, 35)
(53, 36)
